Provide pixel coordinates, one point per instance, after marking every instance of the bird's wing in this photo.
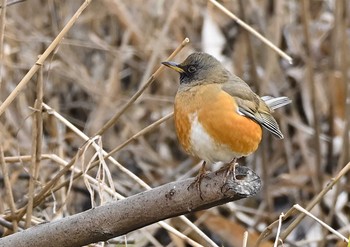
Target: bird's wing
(251, 105)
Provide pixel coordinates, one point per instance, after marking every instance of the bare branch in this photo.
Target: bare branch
(123, 216)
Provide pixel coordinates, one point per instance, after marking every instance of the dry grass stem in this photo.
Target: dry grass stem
(301, 209)
(252, 31)
(2, 33)
(315, 200)
(245, 239)
(42, 58)
(96, 146)
(182, 236)
(312, 84)
(115, 118)
(159, 42)
(277, 239)
(269, 229)
(8, 188)
(122, 168)
(37, 132)
(10, 2)
(106, 134)
(140, 133)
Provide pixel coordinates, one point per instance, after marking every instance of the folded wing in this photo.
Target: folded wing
(254, 107)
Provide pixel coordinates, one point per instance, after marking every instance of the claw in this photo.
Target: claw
(197, 182)
(230, 168)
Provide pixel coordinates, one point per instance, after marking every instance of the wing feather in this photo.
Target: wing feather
(254, 107)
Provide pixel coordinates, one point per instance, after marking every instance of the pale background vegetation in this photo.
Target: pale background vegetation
(114, 48)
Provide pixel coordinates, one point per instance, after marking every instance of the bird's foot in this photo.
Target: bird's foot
(197, 182)
(229, 168)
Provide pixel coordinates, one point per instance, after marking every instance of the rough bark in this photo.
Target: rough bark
(123, 216)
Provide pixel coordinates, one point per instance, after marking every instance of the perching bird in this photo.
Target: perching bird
(217, 115)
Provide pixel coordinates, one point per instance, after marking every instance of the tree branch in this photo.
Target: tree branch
(123, 216)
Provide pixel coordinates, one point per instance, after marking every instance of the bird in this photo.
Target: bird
(217, 115)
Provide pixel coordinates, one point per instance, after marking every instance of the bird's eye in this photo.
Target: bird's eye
(192, 69)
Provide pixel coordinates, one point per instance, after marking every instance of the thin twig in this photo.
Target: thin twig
(140, 133)
(277, 239)
(2, 34)
(86, 139)
(339, 40)
(8, 189)
(116, 163)
(42, 58)
(47, 188)
(306, 212)
(314, 201)
(251, 54)
(309, 207)
(23, 158)
(36, 147)
(160, 40)
(345, 154)
(268, 229)
(120, 197)
(317, 179)
(245, 239)
(11, 2)
(45, 191)
(115, 118)
(252, 31)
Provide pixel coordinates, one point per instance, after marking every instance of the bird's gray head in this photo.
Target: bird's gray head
(199, 68)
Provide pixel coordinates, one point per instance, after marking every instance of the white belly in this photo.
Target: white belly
(204, 146)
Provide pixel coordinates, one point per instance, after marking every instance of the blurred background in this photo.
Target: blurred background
(111, 52)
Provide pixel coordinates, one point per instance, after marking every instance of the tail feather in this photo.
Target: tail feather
(275, 103)
(267, 120)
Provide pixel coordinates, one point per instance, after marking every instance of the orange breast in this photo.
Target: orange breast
(217, 113)
(182, 113)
